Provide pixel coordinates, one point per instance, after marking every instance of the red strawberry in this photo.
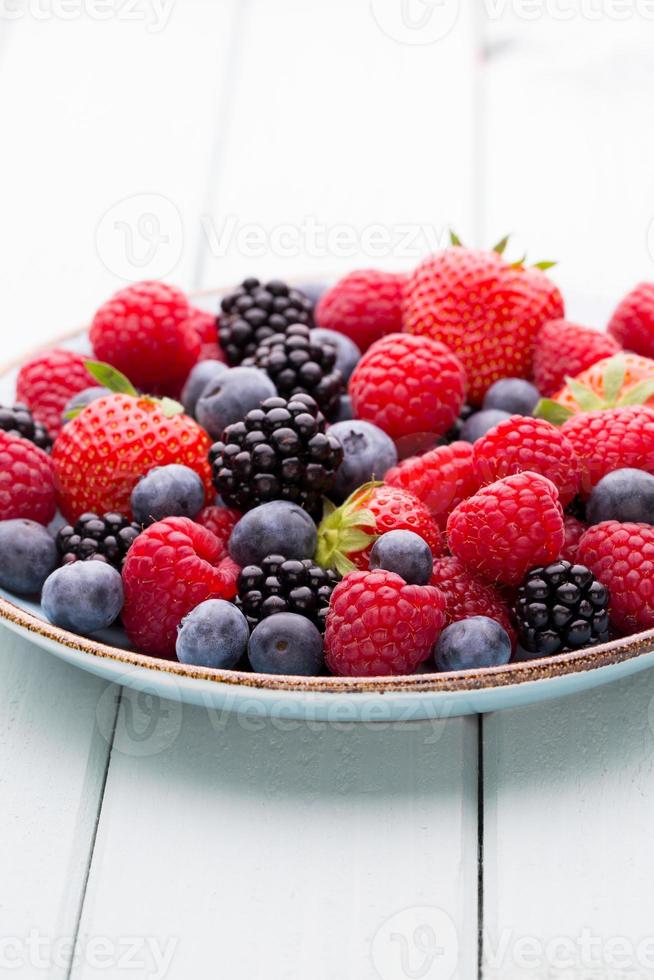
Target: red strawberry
(610, 440)
(103, 452)
(364, 306)
(206, 326)
(26, 481)
(408, 386)
(48, 382)
(467, 596)
(574, 531)
(145, 331)
(521, 443)
(221, 522)
(508, 527)
(632, 324)
(621, 556)
(624, 379)
(566, 349)
(378, 625)
(171, 568)
(487, 311)
(441, 479)
(347, 533)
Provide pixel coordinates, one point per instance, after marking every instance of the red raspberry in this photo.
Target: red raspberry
(574, 531)
(220, 521)
(27, 486)
(408, 385)
(101, 454)
(508, 527)
(611, 439)
(441, 478)
(206, 326)
(621, 556)
(467, 596)
(487, 311)
(565, 349)
(364, 306)
(378, 625)
(172, 567)
(521, 443)
(632, 324)
(48, 382)
(145, 332)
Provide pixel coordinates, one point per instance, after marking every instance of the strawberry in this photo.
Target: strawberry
(632, 324)
(566, 349)
(624, 379)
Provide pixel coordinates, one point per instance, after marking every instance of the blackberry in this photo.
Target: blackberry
(254, 311)
(281, 585)
(561, 607)
(279, 451)
(107, 538)
(296, 363)
(20, 421)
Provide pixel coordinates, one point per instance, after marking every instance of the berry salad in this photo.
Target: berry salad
(422, 472)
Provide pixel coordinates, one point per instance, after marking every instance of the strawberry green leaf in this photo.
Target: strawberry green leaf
(639, 394)
(501, 245)
(552, 411)
(454, 238)
(171, 408)
(73, 413)
(613, 379)
(544, 266)
(520, 263)
(586, 399)
(110, 378)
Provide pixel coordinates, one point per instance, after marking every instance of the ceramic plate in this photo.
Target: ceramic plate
(342, 700)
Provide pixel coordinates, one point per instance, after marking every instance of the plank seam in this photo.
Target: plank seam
(480, 845)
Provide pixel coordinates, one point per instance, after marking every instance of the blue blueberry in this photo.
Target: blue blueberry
(84, 597)
(472, 643)
(482, 422)
(345, 410)
(286, 644)
(512, 395)
(82, 399)
(167, 491)
(405, 553)
(230, 396)
(276, 528)
(28, 555)
(348, 354)
(368, 454)
(623, 495)
(214, 634)
(200, 377)
(314, 290)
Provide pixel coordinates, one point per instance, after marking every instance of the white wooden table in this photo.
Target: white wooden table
(275, 137)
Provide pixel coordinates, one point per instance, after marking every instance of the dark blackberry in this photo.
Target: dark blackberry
(286, 585)
(254, 311)
(296, 364)
(561, 607)
(19, 421)
(107, 538)
(279, 451)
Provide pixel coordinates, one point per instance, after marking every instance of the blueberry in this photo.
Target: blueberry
(348, 354)
(286, 644)
(28, 555)
(471, 643)
(278, 527)
(481, 422)
(200, 377)
(84, 597)
(623, 495)
(406, 554)
(345, 411)
(512, 395)
(230, 396)
(82, 399)
(314, 290)
(167, 491)
(368, 454)
(214, 634)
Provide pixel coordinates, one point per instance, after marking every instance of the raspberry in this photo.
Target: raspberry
(206, 326)
(145, 332)
(632, 324)
(364, 306)
(170, 569)
(379, 625)
(566, 349)
(408, 386)
(574, 531)
(441, 479)
(521, 443)
(622, 557)
(508, 527)
(27, 488)
(47, 383)
(221, 522)
(467, 596)
(611, 439)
